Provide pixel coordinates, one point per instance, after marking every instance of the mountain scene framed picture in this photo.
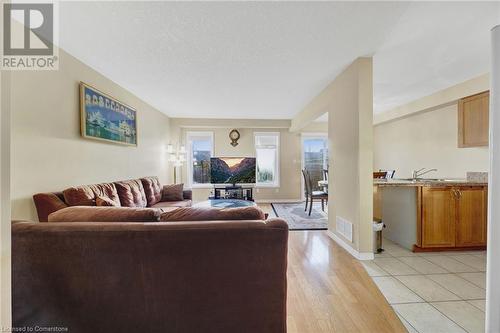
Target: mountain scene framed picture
(105, 118)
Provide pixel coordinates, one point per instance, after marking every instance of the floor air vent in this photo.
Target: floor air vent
(344, 228)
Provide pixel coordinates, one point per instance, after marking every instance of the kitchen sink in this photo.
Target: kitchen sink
(430, 179)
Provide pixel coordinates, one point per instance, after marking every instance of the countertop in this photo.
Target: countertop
(427, 182)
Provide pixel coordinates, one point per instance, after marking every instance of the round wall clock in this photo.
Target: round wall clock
(234, 135)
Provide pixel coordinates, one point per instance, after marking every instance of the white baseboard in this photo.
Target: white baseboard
(348, 248)
(278, 201)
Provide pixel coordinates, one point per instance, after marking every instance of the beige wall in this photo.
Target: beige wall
(5, 220)
(351, 155)
(349, 103)
(290, 188)
(316, 127)
(48, 153)
(428, 140)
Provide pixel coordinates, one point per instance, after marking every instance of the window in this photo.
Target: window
(315, 156)
(200, 147)
(267, 154)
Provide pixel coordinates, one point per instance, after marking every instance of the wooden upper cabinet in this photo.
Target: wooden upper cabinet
(438, 217)
(471, 216)
(473, 114)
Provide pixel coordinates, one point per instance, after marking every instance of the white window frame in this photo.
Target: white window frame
(277, 167)
(189, 157)
(304, 136)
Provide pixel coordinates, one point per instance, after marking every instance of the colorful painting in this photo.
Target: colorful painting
(104, 118)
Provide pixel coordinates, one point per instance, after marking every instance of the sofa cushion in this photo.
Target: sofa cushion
(182, 203)
(152, 189)
(47, 203)
(105, 214)
(86, 195)
(187, 194)
(173, 192)
(166, 209)
(105, 202)
(213, 214)
(131, 193)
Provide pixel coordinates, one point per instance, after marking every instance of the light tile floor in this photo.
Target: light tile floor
(432, 292)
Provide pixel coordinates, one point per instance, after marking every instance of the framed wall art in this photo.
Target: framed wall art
(105, 118)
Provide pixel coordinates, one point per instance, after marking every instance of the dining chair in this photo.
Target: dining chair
(390, 173)
(380, 174)
(313, 195)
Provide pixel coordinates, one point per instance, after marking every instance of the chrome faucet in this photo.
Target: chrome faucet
(421, 172)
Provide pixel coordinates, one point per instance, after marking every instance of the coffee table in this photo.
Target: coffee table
(224, 203)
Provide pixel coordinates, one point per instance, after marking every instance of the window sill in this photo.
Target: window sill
(201, 186)
(267, 186)
(211, 186)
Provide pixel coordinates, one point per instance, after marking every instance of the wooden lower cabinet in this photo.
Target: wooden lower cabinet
(377, 202)
(471, 219)
(438, 217)
(452, 216)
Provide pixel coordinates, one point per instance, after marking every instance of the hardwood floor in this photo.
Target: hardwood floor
(330, 291)
(267, 208)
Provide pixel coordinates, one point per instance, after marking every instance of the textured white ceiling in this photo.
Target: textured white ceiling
(268, 60)
(433, 46)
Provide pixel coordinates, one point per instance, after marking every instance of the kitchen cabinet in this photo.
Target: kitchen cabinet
(377, 203)
(471, 221)
(473, 114)
(438, 215)
(452, 216)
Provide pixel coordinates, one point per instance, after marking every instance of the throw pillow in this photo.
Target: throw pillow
(172, 192)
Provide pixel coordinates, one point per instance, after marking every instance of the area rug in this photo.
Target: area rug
(298, 219)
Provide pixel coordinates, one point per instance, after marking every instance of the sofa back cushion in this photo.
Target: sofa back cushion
(152, 189)
(86, 195)
(105, 214)
(106, 202)
(131, 193)
(213, 214)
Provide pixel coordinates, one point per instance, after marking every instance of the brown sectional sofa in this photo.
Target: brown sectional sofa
(205, 276)
(129, 257)
(136, 193)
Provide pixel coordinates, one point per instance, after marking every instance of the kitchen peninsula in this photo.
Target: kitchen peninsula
(433, 214)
